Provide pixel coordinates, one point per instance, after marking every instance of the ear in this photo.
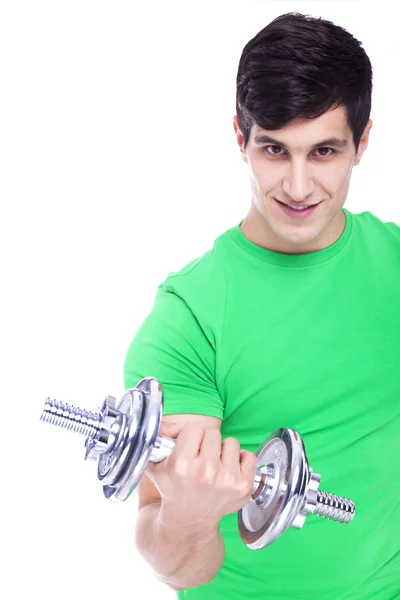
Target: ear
(239, 138)
(363, 143)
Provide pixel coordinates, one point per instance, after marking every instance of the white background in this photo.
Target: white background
(118, 166)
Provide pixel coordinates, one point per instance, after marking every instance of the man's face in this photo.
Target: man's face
(297, 169)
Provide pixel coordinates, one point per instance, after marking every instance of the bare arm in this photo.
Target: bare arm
(181, 555)
(180, 560)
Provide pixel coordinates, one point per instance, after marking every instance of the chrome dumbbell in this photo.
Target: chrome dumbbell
(123, 438)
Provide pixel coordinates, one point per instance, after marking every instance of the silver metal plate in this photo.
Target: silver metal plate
(263, 520)
(139, 456)
(112, 464)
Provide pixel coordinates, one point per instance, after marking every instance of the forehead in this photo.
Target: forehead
(302, 134)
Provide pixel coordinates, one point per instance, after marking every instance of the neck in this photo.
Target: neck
(255, 228)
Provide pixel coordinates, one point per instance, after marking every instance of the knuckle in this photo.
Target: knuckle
(207, 473)
(244, 487)
(229, 480)
(231, 443)
(180, 466)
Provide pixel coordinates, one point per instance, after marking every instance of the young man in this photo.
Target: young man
(292, 319)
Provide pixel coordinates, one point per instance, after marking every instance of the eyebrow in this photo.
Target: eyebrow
(334, 141)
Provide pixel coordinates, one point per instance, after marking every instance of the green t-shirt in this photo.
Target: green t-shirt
(265, 340)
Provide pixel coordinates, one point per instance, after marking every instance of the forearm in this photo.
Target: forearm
(179, 558)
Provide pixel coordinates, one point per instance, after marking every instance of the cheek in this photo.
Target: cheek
(340, 176)
(339, 182)
(261, 179)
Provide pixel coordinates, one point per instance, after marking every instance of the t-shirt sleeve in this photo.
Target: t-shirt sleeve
(171, 346)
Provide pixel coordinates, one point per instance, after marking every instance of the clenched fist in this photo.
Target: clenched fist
(204, 478)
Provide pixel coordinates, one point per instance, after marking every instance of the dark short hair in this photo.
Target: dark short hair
(300, 66)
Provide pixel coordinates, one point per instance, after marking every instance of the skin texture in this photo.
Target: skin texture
(183, 498)
(294, 173)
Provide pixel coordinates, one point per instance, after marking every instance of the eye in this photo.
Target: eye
(331, 150)
(273, 153)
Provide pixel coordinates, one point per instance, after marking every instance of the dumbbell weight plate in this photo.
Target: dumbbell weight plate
(263, 520)
(136, 461)
(111, 465)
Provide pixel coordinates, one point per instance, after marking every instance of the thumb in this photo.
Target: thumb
(170, 428)
(167, 429)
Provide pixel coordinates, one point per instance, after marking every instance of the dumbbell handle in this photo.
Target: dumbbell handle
(164, 445)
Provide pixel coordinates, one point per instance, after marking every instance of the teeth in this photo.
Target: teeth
(298, 207)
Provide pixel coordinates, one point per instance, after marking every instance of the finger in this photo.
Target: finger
(210, 448)
(230, 454)
(170, 429)
(208, 461)
(248, 464)
(189, 440)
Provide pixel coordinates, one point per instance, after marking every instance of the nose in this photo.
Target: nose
(298, 181)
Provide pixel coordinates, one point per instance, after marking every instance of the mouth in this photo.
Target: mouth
(298, 213)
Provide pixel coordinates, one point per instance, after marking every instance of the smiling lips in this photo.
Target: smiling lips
(300, 212)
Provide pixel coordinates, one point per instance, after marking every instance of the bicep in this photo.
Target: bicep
(147, 491)
(171, 346)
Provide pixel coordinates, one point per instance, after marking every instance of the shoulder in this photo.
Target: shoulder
(203, 277)
(385, 232)
(369, 220)
(378, 242)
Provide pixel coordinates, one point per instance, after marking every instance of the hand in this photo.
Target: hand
(203, 479)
